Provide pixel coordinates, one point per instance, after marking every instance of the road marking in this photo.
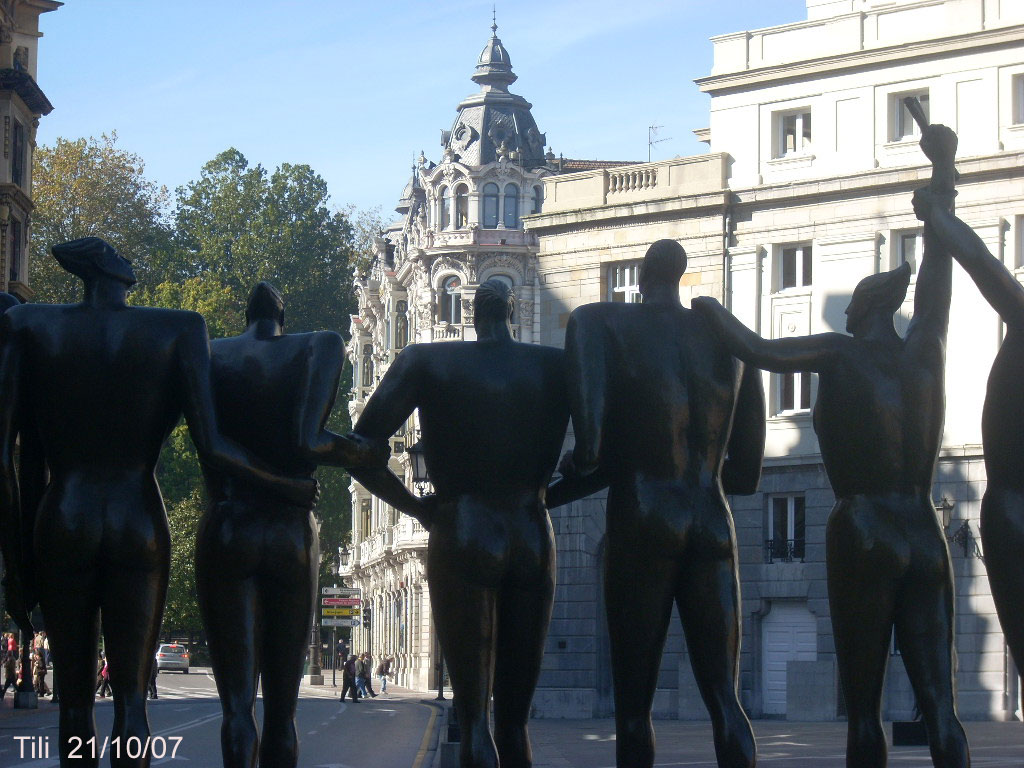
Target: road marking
(427, 734)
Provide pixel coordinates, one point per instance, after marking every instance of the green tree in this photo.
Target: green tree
(90, 186)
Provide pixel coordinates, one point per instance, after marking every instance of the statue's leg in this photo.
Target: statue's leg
(924, 628)
(523, 619)
(465, 619)
(227, 602)
(709, 606)
(861, 598)
(287, 592)
(1002, 535)
(67, 598)
(132, 606)
(639, 589)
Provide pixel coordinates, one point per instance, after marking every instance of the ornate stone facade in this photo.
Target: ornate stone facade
(22, 103)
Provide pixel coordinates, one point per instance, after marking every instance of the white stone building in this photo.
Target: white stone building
(805, 190)
(460, 224)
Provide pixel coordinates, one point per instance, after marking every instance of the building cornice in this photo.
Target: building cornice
(647, 210)
(871, 58)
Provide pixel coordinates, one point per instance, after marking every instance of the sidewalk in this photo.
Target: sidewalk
(780, 744)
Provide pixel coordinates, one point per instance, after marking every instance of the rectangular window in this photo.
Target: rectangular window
(1018, 99)
(366, 509)
(903, 127)
(18, 154)
(794, 132)
(16, 251)
(786, 529)
(795, 266)
(909, 245)
(624, 282)
(794, 392)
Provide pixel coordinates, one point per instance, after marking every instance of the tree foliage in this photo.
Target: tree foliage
(92, 187)
(231, 227)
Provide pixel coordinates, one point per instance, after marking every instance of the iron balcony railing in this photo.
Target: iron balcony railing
(783, 550)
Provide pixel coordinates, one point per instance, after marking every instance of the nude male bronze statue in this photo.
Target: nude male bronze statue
(493, 413)
(879, 416)
(664, 414)
(1002, 421)
(103, 384)
(16, 526)
(256, 556)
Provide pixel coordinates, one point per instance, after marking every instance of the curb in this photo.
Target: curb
(432, 752)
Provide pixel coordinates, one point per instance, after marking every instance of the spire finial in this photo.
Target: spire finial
(494, 20)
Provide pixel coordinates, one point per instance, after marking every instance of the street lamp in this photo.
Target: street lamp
(420, 478)
(316, 676)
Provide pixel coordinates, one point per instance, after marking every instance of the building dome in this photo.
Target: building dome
(494, 123)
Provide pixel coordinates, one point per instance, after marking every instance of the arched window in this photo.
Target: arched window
(538, 199)
(401, 324)
(446, 208)
(490, 216)
(511, 208)
(512, 286)
(368, 365)
(461, 206)
(451, 300)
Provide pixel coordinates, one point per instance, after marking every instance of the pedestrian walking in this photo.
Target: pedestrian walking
(384, 671)
(103, 682)
(360, 671)
(12, 643)
(368, 675)
(10, 672)
(348, 679)
(39, 673)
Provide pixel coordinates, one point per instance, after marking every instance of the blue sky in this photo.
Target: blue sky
(356, 88)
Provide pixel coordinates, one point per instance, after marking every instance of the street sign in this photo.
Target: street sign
(351, 611)
(341, 591)
(337, 601)
(329, 622)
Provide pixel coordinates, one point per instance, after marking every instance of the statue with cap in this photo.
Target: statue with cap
(671, 422)
(493, 414)
(102, 384)
(257, 556)
(878, 416)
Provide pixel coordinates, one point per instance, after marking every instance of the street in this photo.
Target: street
(386, 732)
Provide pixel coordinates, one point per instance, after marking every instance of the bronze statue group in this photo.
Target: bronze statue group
(667, 412)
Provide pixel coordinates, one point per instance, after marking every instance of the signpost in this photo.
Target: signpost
(340, 622)
(340, 607)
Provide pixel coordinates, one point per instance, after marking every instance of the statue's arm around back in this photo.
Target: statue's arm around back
(391, 404)
(586, 365)
(193, 372)
(741, 470)
(797, 353)
(319, 445)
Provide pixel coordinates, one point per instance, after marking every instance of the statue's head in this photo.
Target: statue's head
(494, 302)
(265, 303)
(663, 264)
(92, 257)
(877, 294)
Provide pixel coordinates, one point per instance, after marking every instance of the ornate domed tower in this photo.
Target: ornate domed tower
(460, 223)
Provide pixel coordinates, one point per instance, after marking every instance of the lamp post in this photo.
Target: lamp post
(316, 675)
(421, 480)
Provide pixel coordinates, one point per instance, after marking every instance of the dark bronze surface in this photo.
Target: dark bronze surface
(102, 384)
(879, 416)
(671, 421)
(256, 556)
(493, 414)
(1002, 425)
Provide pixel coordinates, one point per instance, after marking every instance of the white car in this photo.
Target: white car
(172, 657)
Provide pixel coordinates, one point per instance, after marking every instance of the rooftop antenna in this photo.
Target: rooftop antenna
(652, 131)
(494, 20)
